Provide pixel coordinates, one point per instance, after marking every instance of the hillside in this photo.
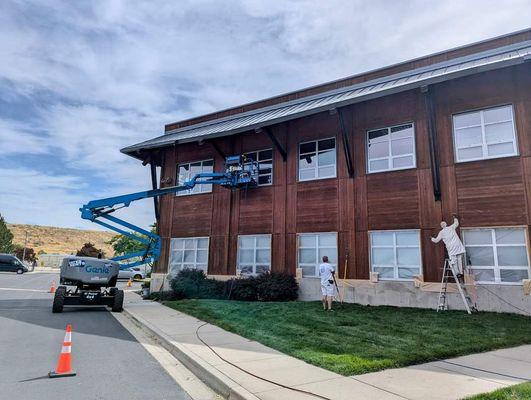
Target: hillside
(59, 240)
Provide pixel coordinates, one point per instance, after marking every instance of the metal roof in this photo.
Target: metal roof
(450, 69)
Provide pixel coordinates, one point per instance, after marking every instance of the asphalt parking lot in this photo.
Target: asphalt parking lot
(109, 362)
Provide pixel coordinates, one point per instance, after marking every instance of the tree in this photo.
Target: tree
(29, 255)
(124, 244)
(6, 237)
(89, 250)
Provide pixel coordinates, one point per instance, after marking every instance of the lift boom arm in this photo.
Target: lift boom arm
(240, 172)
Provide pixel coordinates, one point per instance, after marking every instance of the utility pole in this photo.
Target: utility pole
(25, 245)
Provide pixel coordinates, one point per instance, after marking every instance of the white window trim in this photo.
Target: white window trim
(299, 264)
(316, 141)
(272, 168)
(395, 266)
(195, 238)
(391, 157)
(254, 263)
(494, 245)
(203, 188)
(484, 148)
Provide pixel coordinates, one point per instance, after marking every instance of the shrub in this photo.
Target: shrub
(277, 287)
(193, 284)
(244, 289)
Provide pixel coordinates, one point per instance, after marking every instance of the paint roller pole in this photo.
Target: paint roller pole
(344, 278)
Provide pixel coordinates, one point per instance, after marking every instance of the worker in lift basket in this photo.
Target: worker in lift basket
(326, 272)
(453, 244)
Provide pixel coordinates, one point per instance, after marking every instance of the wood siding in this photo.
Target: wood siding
(493, 192)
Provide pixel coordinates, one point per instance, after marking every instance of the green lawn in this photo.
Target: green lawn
(358, 339)
(516, 392)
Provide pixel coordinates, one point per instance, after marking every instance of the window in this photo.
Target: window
(254, 254)
(395, 255)
(485, 134)
(317, 159)
(265, 165)
(312, 248)
(189, 253)
(497, 255)
(186, 172)
(391, 148)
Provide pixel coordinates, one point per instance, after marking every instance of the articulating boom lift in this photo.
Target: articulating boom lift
(240, 172)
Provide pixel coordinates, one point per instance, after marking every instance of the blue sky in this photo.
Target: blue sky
(81, 79)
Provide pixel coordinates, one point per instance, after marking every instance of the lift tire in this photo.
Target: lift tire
(118, 304)
(112, 291)
(58, 300)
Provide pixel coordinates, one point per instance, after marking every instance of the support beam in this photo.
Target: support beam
(153, 167)
(275, 141)
(217, 148)
(432, 140)
(346, 141)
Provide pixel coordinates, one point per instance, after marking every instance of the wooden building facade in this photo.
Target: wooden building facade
(370, 180)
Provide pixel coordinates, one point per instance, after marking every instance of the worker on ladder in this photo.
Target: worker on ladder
(454, 246)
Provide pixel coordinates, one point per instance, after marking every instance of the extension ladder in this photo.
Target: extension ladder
(448, 273)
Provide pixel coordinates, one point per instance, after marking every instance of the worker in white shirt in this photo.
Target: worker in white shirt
(326, 272)
(453, 244)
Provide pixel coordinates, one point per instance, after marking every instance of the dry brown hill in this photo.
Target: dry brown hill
(60, 240)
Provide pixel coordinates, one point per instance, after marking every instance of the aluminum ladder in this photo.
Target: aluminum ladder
(448, 273)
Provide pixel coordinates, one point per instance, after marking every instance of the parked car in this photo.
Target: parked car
(10, 263)
(133, 273)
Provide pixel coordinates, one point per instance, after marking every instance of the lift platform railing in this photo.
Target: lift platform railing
(240, 173)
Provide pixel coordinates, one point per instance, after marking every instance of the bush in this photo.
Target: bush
(277, 287)
(244, 289)
(193, 284)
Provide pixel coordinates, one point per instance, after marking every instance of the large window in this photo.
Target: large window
(391, 148)
(312, 248)
(395, 255)
(317, 159)
(484, 134)
(191, 253)
(254, 254)
(187, 171)
(265, 165)
(497, 255)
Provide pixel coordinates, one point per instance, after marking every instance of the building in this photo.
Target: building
(366, 168)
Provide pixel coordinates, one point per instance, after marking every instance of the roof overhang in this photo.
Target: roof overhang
(249, 121)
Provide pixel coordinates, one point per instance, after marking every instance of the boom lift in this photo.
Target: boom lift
(95, 280)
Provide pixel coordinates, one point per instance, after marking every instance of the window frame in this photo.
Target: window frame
(316, 141)
(484, 145)
(390, 158)
(254, 248)
(496, 268)
(316, 266)
(202, 188)
(272, 166)
(196, 248)
(395, 254)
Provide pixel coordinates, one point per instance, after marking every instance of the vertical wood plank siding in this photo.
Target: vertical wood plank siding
(483, 193)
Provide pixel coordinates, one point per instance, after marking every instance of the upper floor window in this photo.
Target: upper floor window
(485, 134)
(191, 253)
(312, 248)
(395, 255)
(265, 165)
(254, 254)
(187, 171)
(497, 255)
(391, 148)
(317, 159)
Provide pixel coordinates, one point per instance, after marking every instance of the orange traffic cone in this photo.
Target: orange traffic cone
(129, 283)
(64, 364)
(52, 288)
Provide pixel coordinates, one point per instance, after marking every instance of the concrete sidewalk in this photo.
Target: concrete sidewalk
(449, 379)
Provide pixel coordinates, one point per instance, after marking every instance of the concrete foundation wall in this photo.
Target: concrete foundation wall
(405, 294)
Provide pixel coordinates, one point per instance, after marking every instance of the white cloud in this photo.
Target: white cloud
(104, 74)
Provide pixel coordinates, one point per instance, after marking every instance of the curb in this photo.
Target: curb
(214, 379)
